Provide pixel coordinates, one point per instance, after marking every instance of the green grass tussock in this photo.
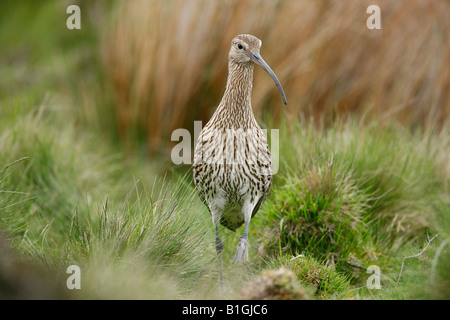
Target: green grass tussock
(320, 213)
(56, 171)
(355, 195)
(316, 276)
(64, 201)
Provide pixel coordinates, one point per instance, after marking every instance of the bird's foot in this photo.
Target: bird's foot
(241, 252)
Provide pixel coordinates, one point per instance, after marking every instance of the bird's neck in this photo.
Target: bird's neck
(236, 101)
(240, 81)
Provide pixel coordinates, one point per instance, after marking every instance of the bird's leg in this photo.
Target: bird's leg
(219, 249)
(241, 252)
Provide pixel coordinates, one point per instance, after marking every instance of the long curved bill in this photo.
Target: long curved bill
(256, 58)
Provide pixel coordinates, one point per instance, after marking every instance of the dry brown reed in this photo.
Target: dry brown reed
(167, 60)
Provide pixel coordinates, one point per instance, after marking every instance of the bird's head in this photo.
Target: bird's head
(245, 49)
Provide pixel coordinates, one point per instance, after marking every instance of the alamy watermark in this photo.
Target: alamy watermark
(374, 281)
(74, 280)
(74, 20)
(374, 20)
(231, 146)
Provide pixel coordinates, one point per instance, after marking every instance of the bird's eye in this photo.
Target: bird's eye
(240, 47)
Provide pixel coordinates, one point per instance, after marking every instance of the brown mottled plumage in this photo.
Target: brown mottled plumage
(232, 162)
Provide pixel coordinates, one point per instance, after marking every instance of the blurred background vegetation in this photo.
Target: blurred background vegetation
(330, 63)
(86, 118)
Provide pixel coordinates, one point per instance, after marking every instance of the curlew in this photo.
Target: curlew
(232, 162)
